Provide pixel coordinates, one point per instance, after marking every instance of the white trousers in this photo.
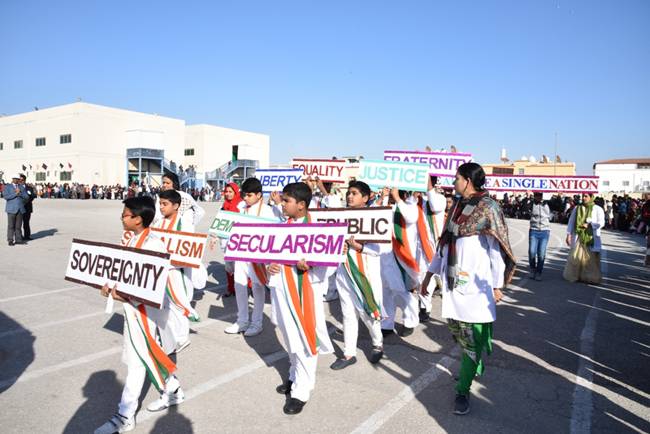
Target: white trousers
(244, 271)
(302, 373)
(406, 301)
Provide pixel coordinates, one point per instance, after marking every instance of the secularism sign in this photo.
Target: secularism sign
(326, 170)
(440, 163)
(370, 225)
(405, 176)
(186, 248)
(282, 243)
(140, 274)
(275, 179)
(223, 223)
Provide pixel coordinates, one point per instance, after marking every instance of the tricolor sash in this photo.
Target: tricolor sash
(426, 229)
(356, 270)
(402, 250)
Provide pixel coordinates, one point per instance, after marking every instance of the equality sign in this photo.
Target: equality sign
(405, 176)
(440, 163)
(282, 243)
(545, 184)
(139, 274)
(326, 170)
(370, 225)
(223, 223)
(185, 248)
(275, 179)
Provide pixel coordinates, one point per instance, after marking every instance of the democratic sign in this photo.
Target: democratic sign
(282, 243)
(370, 225)
(275, 179)
(405, 176)
(440, 163)
(140, 274)
(325, 170)
(223, 222)
(185, 248)
(544, 184)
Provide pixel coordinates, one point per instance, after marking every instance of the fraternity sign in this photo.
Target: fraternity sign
(223, 223)
(544, 184)
(405, 176)
(325, 170)
(139, 274)
(370, 225)
(275, 179)
(186, 248)
(440, 163)
(282, 243)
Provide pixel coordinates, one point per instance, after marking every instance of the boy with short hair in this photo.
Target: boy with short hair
(252, 204)
(142, 353)
(299, 288)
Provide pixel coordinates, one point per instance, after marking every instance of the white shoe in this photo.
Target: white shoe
(182, 346)
(235, 328)
(117, 423)
(166, 400)
(253, 330)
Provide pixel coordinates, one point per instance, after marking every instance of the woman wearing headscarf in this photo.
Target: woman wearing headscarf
(232, 199)
(475, 262)
(583, 235)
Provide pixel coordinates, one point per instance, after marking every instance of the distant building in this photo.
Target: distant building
(530, 166)
(94, 144)
(630, 175)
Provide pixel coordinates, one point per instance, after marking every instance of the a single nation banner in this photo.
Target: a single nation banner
(140, 274)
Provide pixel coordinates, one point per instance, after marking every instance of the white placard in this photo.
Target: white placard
(186, 248)
(276, 179)
(405, 176)
(370, 225)
(440, 163)
(223, 222)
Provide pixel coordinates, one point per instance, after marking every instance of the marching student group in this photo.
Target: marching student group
(457, 245)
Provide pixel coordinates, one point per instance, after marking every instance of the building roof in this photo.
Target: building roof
(626, 161)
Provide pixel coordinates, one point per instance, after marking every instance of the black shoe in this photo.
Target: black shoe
(461, 405)
(284, 388)
(407, 331)
(20, 242)
(424, 315)
(343, 363)
(293, 406)
(11, 243)
(387, 332)
(377, 354)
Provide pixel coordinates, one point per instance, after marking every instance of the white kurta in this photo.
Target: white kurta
(481, 269)
(597, 222)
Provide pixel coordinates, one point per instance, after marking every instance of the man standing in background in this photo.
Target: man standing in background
(15, 195)
(29, 208)
(538, 235)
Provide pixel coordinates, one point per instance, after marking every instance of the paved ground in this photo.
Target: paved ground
(568, 357)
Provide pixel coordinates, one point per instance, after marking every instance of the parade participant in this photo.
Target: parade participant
(142, 352)
(29, 208)
(297, 294)
(583, 236)
(538, 235)
(230, 203)
(189, 209)
(179, 285)
(358, 281)
(476, 262)
(245, 272)
(395, 293)
(15, 195)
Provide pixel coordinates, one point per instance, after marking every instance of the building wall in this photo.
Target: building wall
(522, 167)
(623, 178)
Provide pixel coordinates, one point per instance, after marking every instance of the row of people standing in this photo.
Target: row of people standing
(19, 208)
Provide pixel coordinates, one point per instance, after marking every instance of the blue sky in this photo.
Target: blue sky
(330, 78)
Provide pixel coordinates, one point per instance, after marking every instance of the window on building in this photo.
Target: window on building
(40, 176)
(626, 183)
(521, 171)
(40, 141)
(189, 152)
(605, 183)
(503, 170)
(65, 138)
(18, 144)
(65, 176)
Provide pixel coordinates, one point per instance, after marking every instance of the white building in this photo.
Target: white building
(631, 175)
(88, 143)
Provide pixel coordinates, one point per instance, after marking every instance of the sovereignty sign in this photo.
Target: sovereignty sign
(326, 170)
(405, 176)
(370, 225)
(275, 179)
(282, 243)
(139, 274)
(440, 163)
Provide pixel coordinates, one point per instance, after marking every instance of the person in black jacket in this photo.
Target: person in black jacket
(29, 208)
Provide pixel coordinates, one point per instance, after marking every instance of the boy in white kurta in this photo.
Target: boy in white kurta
(297, 295)
(142, 352)
(252, 204)
(358, 282)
